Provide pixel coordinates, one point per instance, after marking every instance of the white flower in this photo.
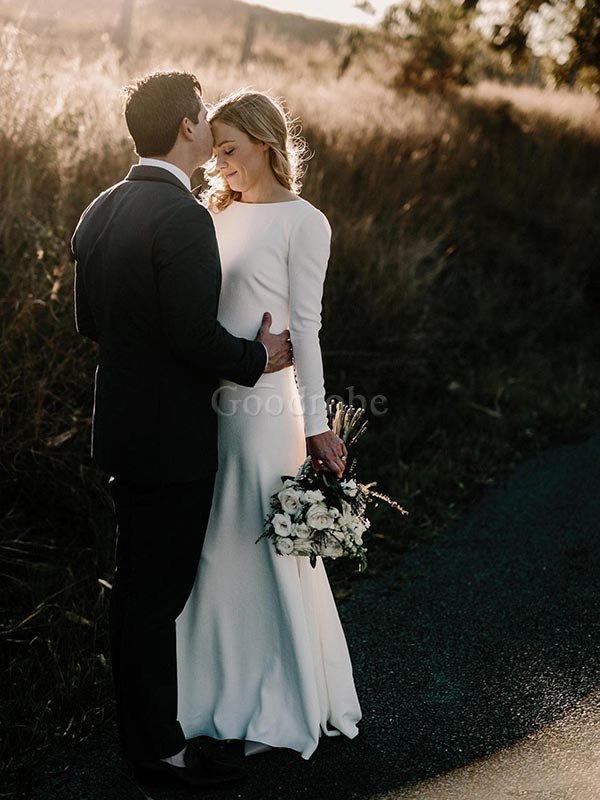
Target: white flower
(357, 527)
(332, 548)
(284, 545)
(350, 487)
(318, 517)
(313, 496)
(303, 548)
(282, 524)
(301, 531)
(346, 517)
(290, 500)
(350, 539)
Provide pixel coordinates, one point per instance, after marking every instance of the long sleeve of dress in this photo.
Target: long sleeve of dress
(309, 249)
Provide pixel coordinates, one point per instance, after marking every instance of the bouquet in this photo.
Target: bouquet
(315, 513)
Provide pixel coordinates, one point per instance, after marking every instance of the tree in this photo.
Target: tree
(441, 43)
(437, 45)
(565, 32)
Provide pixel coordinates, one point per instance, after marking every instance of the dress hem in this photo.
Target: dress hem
(331, 732)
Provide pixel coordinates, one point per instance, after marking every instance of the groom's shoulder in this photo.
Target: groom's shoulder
(184, 204)
(185, 218)
(103, 194)
(88, 212)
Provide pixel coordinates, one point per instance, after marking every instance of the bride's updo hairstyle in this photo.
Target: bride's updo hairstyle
(264, 119)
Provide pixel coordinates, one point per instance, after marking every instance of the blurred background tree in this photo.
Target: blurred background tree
(437, 45)
(566, 33)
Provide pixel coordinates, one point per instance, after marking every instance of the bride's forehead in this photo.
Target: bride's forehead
(223, 127)
(222, 133)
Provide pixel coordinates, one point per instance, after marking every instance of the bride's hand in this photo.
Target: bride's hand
(329, 449)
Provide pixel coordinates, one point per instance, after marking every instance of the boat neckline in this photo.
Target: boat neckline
(277, 203)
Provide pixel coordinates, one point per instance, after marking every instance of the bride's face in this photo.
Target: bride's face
(242, 161)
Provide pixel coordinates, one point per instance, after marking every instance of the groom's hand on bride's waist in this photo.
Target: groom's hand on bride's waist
(277, 345)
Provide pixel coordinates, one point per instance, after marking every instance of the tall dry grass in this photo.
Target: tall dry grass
(463, 285)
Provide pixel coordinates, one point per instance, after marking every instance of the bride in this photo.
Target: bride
(261, 653)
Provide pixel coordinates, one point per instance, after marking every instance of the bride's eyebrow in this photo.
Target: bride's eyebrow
(227, 141)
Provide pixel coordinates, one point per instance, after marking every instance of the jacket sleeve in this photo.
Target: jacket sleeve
(188, 278)
(84, 320)
(307, 264)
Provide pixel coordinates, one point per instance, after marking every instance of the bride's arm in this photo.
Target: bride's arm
(310, 243)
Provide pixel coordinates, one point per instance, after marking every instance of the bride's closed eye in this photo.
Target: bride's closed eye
(229, 152)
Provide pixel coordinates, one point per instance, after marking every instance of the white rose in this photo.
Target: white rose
(282, 524)
(289, 482)
(350, 487)
(318, 517)
(284, 546)
(314, 496)
(290, 500)
(301, 531)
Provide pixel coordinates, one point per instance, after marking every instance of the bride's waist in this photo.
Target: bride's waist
(273, 393)
(282, 382)
(245, 321)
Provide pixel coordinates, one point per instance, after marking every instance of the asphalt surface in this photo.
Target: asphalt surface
(478, 639)
(561, 761)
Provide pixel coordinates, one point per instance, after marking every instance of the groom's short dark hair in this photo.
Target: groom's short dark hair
(155, 106)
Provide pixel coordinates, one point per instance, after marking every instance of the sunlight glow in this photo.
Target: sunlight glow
(334, 10)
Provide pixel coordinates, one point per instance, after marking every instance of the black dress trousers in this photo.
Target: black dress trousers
(159, 536)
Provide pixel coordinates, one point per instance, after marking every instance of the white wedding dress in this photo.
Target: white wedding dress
(261, 653)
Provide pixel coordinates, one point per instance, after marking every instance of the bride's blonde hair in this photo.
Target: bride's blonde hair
(264, 119)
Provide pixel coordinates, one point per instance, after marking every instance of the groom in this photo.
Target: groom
(147, 283)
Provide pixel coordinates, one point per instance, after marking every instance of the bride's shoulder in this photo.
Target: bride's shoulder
(309, 216)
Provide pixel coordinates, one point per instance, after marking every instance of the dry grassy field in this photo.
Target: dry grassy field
(463, 285)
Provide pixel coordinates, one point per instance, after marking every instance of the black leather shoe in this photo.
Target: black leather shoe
(201, 771)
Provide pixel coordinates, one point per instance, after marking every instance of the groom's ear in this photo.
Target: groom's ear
(186, 129)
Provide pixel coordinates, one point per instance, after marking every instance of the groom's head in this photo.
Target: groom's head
(164, 112)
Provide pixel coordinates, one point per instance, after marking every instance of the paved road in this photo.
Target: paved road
(561, 761)
(478, 639)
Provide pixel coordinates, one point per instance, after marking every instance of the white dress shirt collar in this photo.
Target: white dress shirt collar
(158, 162)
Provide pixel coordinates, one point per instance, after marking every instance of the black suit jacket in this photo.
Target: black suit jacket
(147, 283)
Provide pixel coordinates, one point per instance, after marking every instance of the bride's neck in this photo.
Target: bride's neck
(268, 190)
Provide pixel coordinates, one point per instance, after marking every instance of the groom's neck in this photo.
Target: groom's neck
(180, 160)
